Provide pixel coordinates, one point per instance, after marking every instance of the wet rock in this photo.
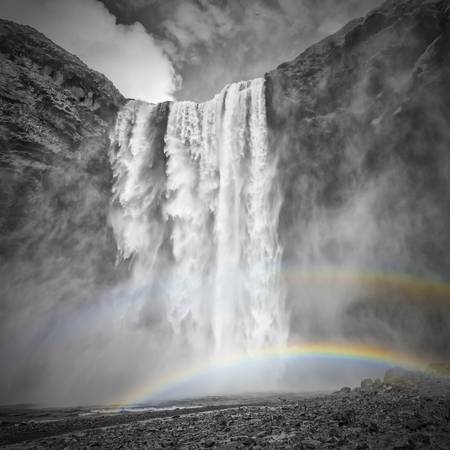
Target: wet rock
(366, 384)
(403, 419)
(344, 418)
(377, 384)
(362, 446)
(244, 439)
(310, 443)
(440, 369)
(414, 424)
(403, 444)
(398, 376)
(261, 434)
(420, 438)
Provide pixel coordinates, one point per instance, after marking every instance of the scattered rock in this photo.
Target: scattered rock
(310, 443)
(366, 384)
(414, 424)
(407, 418)
(377, 384)
(345, 390)
(403, 444)
(400, 377)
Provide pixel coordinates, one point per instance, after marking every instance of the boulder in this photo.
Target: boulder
(400, 376)
(366, 384)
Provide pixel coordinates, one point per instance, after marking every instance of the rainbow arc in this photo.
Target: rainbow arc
(360, 352)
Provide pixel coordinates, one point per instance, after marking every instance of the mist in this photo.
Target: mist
(362, 223)
(307, 207)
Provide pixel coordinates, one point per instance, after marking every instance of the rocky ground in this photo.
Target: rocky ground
(398, 413)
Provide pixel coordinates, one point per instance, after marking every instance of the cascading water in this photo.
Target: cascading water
(139, 187)
(212, 198)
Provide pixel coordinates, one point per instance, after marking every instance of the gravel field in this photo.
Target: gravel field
(377, 415)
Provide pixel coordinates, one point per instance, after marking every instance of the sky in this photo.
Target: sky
(214, 42)
(126, 54)
(158, 50)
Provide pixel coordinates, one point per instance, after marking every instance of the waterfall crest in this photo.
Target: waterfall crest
(211, 197)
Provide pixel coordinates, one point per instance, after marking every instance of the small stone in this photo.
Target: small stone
(334, 432)
(244, 439)
(261, 434)
(377, 384)
(421, 437)
(413, 424)
(403, 444)
(362, 446)
(310, 443)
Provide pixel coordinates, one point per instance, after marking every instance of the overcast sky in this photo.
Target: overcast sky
(127, 55)
(184, 49)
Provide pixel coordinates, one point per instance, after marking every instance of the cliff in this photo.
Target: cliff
(362, 124)
(55, 180)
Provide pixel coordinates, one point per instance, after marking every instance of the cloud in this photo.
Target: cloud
(126, 54)
(214, 42)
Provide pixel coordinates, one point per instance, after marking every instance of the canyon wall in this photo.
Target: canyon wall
(55, 179)
(361, 121)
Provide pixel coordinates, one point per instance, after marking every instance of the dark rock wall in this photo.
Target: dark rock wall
(55, 177)
(362, 124)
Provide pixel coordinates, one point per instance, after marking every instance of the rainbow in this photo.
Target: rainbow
(358, 352)
(427, 292)
(416, 288)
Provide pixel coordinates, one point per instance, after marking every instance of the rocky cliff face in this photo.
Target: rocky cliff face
(362, 120)
(55, 180)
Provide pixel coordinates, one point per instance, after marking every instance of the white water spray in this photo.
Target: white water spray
(213, 199)
(138, 188)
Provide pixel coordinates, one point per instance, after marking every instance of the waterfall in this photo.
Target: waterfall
(139, 186)
(211, 196)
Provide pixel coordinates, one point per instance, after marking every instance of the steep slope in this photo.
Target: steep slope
(55, 115)
(55, 187)
(362, 120)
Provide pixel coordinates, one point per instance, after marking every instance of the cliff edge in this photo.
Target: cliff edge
(55, 179)
(361, 121)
